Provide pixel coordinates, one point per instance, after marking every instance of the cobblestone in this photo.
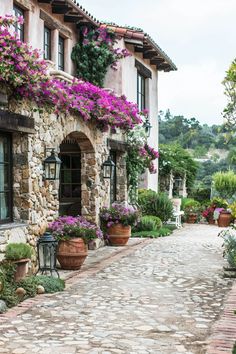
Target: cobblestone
(163, 298)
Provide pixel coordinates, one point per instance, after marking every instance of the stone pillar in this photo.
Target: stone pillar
(171, 185)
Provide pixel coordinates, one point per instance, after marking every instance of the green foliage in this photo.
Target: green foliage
(230, 91)
(163, 231)
(201, 194)
(225, 183)
(50, 284)
(16, 251)
(93, 55)
(229, 237)
(149, 223)
(173, 158)
(189, 202)
(29, 284)
(219, 202)
(155, 204)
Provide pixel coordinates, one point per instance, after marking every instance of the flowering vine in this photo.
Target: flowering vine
(27, 76)
(140, 156)
(95, 53)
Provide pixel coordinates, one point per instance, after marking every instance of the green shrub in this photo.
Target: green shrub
(225, 183)
(148, 223)
(189, 203)
(50, 284)
(163, 231)
(16, 251)
(155, 204)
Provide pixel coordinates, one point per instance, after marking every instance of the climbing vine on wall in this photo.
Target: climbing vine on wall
(95, 53)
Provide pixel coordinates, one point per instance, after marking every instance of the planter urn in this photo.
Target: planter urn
(21, 269)
(72, 253)
(118, 234)
(224, 219)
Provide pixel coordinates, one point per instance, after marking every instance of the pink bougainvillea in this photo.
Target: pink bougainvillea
(22, 68)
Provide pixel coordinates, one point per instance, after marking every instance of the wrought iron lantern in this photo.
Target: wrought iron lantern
(47, 249)
(108, 168)
(147, 126)
(178, 182)
(52, 165)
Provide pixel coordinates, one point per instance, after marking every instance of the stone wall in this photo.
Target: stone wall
(36, 201)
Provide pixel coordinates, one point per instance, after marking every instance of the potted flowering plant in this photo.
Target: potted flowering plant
(73, 234)
(222, 212)
(118, 220)
(208, 214)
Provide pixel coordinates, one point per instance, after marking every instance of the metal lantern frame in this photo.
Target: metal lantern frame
(108, 167)
(47, 251)
(52, 165)
(147, 126)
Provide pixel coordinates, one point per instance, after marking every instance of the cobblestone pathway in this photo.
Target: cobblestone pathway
(161, 299)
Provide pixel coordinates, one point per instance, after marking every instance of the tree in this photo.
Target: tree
(230, 91)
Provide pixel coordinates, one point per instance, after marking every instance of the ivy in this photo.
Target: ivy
(95, 53)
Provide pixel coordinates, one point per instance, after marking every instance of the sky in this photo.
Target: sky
(199, 37)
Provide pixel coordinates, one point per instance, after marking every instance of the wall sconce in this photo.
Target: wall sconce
(108, 168)
(178, 182)
(52, 165)
(147, 127)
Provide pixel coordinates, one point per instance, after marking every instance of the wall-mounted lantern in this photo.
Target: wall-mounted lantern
(47, 249)
(108, 168)
(52, 165)
(147, 127)
(178, 182)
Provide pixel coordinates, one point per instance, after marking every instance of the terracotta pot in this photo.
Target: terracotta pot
(224, 219)
(71, 254)
(192, 218)
(119, 234)
(21, 268)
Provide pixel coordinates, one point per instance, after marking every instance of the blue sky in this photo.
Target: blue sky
(199, 36)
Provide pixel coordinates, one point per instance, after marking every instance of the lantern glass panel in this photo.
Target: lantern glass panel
(107, 171)
(50, 170)
(46, 256)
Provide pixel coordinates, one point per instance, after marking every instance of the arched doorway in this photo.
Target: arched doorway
(70, 178)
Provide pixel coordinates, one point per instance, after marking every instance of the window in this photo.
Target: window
(113, 178)
(61, 50)
(18, 27)
(47, 43)
(5, 178)
(141, 94)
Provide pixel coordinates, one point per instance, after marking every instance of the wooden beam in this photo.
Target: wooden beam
(139, 49)
(149, 54)
(60, 9)
(45, 1)
(155, 61)
(16, 122)
(73, 18)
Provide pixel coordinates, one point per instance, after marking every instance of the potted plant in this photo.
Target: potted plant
(118, 220)
(191, 208)
(222, 212)
(19, 254)
(73, 234)
(208, 214)
(229, 237)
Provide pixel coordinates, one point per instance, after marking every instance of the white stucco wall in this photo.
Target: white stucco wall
(124, 81)
(34, 28)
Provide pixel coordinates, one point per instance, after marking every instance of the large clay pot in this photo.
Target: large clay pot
(192, 218)
(71, 254)
(21, 268)
(118, 234)
(224, 219)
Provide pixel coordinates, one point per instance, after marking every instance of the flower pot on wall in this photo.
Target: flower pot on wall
(21, 268)
(71, 253)
(224, 219)
(118, 234)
